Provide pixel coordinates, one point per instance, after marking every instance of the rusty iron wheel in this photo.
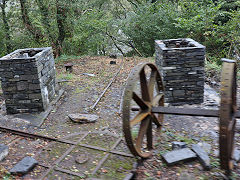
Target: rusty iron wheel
(227, 119)
(144, 89)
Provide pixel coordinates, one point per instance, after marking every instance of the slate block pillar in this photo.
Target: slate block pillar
(181, 63)
(28, 79)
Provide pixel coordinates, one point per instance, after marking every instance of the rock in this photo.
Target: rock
(3, 151)
(186, 176)
(92, 75)
(113, 56)
(211, 134)
(216, 153)
(129, 176)
(178, 145)
(113, 62)
(206, 147)
(83, 118)
(81, 159)
(236, 155)
(202, 156)
(24, 166)
(177, 156)
(237, 125)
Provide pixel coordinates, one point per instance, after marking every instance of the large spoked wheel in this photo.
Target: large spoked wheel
(144, 90)
(228, 108)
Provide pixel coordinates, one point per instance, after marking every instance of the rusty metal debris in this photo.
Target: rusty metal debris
(140, 114)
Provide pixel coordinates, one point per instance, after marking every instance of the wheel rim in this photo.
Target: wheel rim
(149, 94)
(228, 108)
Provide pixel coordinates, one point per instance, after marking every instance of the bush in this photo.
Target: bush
(89, 34)
(149, 22)
(193, 19)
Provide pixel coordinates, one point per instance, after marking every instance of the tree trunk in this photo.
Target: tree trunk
(37, 34)
(6, 28)
(46, 23)
(61, 18)
(45, 18)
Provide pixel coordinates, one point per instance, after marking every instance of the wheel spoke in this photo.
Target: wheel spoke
(138, 118)
(156, 99)
(151, 83)
(142, 131)
(139, 101)
(155, 120)
(144, 86)
(149, 136)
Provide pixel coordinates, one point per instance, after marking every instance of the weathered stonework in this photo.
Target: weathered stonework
(28, 79)
(181, 62)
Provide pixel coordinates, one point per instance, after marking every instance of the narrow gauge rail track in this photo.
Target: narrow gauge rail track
(73, 145)
(109, 84)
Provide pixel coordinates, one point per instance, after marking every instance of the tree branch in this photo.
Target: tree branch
(27, 23)
(114, 42)
(6, 27)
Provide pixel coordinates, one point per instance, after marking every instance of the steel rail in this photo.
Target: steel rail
(53, 166)
(32, 135)
(109, 84)
(37, 136)
(73, 145)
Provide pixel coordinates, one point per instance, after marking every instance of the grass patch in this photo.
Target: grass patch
(213, 70)
(65, 76)
(64, 58)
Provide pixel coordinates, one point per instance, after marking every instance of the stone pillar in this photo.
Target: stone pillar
(181, 63)
(28, 79)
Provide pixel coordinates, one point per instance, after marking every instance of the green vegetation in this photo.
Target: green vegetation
(76, 28)
(63, 58)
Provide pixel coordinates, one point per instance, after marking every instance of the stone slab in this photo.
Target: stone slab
(205, 146)
(178, 145)
(24, 166)
(202, 156)
(176, 156)
(83, 118)
(3, 151)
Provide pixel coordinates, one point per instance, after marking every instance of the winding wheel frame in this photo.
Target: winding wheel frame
(144, 106)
